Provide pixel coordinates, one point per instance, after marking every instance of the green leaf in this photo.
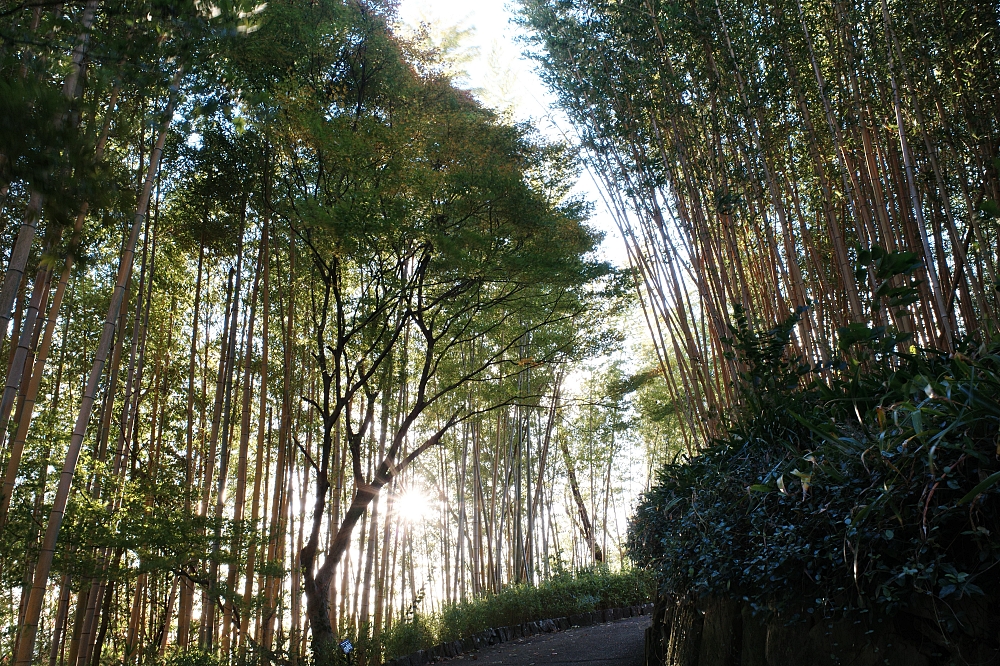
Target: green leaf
(853, 334)
(822, 435)
(759, 488)
(989, 209)
(901, 301)
(992, 479)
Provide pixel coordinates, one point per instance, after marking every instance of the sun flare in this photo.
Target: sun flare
(412, 505)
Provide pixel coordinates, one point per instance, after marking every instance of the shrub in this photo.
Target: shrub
(838, 490)
(563, 594)
(191, 658)
(414, 633)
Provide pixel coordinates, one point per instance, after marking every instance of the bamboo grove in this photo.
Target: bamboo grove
(267, 273)
(840, 156)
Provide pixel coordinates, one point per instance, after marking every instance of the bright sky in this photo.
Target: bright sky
(503, 79)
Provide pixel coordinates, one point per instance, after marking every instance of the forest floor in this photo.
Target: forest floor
(597, 645)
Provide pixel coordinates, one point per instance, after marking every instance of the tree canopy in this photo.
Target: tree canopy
(193, 191)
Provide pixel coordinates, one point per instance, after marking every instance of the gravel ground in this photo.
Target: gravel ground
(598, 645)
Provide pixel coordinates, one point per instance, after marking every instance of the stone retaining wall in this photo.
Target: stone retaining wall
(723, 632)
(504, 634)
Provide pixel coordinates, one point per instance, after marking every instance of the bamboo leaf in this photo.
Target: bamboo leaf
(980, 488)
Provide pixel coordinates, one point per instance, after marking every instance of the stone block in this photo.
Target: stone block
(684, 644)
(653, 646)
(720, 633)
(754, 652)
(785, 646)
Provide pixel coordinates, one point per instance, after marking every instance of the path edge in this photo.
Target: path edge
(498, 635)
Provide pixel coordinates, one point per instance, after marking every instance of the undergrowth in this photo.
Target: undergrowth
(564, 594)
(866, 485)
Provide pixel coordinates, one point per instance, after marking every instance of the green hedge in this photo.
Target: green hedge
(838, 490)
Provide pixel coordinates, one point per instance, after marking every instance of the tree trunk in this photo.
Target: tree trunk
(206, 634)
(26, 233)
(29, 629)
(239, 500)
(262, 444)
(186, 606)
(581, 507)
(285, 455)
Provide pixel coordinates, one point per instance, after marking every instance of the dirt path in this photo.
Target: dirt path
(597, 645)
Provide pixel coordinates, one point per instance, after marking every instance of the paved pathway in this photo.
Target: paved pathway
(618, 643)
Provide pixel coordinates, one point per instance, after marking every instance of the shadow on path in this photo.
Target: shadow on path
(597, 645)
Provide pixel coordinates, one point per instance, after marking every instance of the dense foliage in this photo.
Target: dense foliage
(753, 152)
(872, 486)
(266, 271)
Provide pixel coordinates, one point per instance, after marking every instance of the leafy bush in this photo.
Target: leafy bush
(414, 633)
(191, 658)
(563, 594)
(838, 490)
